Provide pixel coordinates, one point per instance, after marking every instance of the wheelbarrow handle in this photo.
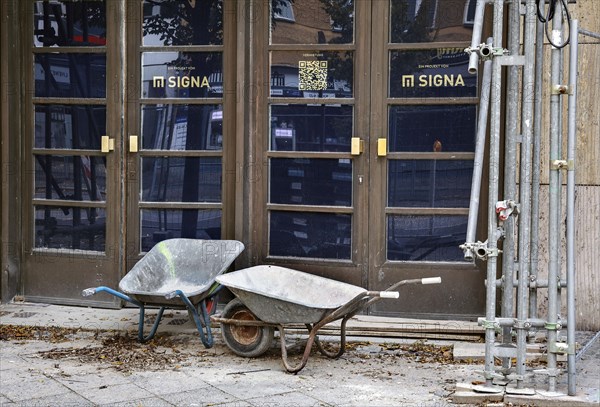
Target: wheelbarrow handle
(431, 280)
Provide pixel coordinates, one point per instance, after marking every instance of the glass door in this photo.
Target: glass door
(71, 215)
(422, 156)
(179, 122)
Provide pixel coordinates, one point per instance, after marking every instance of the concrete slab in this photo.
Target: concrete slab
(546, 401)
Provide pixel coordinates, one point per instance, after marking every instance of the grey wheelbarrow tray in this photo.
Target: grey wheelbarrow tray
(178, 274)
(278, 296)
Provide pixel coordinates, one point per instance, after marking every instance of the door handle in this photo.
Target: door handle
(381, 147)
(107, 144)
(357, 146)
(133, 144)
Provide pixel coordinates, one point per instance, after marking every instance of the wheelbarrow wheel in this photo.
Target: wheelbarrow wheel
(246, 341)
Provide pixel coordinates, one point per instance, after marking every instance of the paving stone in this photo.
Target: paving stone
(68, 399)
(146, 402)
(167, 382)
(23, 385)
(201, 397)
(294, 398)
(115, 393)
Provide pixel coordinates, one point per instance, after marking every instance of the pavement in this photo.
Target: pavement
(54, 355)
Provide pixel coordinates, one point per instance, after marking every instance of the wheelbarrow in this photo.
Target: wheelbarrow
(271, 297)
(177, 274)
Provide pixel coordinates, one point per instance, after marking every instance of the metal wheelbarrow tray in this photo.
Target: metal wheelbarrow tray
(178, 274)
(271, 297)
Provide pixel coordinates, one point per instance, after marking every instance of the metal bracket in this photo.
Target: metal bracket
(487, 324)
(486, 51)
(548, 372)
(506, 208)
(561, 348)
(561, 90)
(562, 165)
(552, 326)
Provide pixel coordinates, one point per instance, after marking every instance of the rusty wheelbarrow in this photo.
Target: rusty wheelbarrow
(271, 297)
(178, 274)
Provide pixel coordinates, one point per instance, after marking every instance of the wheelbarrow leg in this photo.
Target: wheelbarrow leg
(207, 340)
(305, 355)
(342, 349)
(141, 336)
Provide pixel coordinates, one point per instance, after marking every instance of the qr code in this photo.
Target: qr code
(313, 75)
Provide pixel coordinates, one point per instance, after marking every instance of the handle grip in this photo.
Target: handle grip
(431, 280)
(389, 294)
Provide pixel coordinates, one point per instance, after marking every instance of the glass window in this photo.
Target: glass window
(413, 21)
(70, 75)
(314, 235)
(429, 183)
(182, 22)
(160, 224)
(79, 178)
(182, 74)
(312, 22)
(432, 128)
(69, 126)
(182, 127)
(312, 74)
(181, 179)
(69, 23)
(426, 237)
(304, 181)
(326, 128)
(440, 72)
(70, 228)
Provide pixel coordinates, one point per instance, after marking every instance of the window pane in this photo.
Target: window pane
(79, 178)
(69, 126)
(182, 74)
(70, 75)
(160, 224)
(304, 181)
(181, 179)
(312, 74)
(309, 22)
(70, 228)
(429, 183)
(440, 72)
(432, 128)
(426, 238)
(182, 22)
(311, 128)
(69, 23)
(182, 127)
(430, 21)
(316, 235)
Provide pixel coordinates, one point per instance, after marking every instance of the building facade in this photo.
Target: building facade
(334, 137)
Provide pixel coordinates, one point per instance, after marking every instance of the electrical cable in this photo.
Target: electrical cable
(545, 19)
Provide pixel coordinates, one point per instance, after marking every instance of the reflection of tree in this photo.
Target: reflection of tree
(410, 25)
(79, 19)
(277, 7)
(191, 22)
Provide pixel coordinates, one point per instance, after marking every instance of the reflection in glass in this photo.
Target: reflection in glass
(182, 74)
(312, 74)
(181, 179)
(70, 228)
(312, 22)
(182, 127)
(432, 128)
(439, 72)
(69, 23)
(69, 126)
(160, 224)
(316, 235)
(305, 181)
(70, 75)
(430, 21)
(311, 128)
(426, 238)
(79, 178)
(183, 22)
(429, 183)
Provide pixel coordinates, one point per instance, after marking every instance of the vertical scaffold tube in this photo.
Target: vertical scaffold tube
(525, 187)
(476, 39)
(510, 176)
(571, 147)
(494, 177)
(554, 203)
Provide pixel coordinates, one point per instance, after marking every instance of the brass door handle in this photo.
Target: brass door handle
(357, 146)
(133, 144)
(107, 144)
(382, 147)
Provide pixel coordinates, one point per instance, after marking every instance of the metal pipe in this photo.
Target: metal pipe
(494, 175)
(554, 201)
(536, 170)
(571, 148)
(476, 39)
(589, 33)
(484, 107)
(525, 186)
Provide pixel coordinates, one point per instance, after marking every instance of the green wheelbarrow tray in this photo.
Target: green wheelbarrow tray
(178, 274)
